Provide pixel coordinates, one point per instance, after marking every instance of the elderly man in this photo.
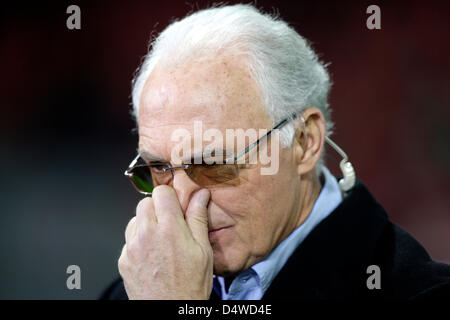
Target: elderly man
(224, 229)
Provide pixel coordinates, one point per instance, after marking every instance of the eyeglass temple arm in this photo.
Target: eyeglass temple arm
(277, 127)
(131, 165)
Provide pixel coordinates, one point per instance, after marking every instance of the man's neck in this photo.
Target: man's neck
(310, 188)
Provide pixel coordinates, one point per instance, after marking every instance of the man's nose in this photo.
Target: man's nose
(184, 187)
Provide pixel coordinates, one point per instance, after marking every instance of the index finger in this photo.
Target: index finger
(167, 206)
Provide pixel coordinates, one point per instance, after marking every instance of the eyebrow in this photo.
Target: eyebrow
(206, 154)
(192, 158)
(149, 157)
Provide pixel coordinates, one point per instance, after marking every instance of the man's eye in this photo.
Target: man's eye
(159, 168)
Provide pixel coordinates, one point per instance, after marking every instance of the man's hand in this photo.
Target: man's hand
(167, 255)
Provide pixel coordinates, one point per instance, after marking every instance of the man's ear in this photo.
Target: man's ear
(309, 140)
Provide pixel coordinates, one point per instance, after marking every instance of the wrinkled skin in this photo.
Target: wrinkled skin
(184, 234)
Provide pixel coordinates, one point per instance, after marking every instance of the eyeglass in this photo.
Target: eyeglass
(146, 176)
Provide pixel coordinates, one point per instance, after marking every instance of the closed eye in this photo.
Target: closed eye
(158, 167)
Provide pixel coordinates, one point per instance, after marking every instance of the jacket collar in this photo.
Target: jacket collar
(332, 260)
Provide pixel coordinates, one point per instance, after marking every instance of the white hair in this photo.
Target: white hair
(286, 69)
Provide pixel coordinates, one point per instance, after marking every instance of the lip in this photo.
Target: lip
(217, 229)
(216, 232)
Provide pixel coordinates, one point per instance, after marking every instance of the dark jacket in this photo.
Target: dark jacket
(332, 262)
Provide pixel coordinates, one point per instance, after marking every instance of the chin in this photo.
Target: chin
(224, 270)
(227, 262)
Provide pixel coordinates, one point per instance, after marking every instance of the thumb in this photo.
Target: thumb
(197, 216)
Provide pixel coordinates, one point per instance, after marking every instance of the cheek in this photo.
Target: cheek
(251, 208)
(236, 205)
(258, 208)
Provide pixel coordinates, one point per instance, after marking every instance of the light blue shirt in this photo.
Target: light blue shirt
(253, 282)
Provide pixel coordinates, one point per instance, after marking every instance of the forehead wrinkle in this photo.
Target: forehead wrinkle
(190, 100)
(188, 125)
(159, 144)
(222, 96)
(179, 115)
(202, 85)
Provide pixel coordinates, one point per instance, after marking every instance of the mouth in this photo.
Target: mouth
(216, 229)
(217, 232)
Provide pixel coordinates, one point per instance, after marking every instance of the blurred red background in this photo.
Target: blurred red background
(67, 135)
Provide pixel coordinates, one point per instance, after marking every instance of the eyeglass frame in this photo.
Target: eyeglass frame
(281, 124)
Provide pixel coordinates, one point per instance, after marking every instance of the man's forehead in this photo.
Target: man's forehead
(220, 96)
(209, 91)
(183, 110)
(168, 96)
